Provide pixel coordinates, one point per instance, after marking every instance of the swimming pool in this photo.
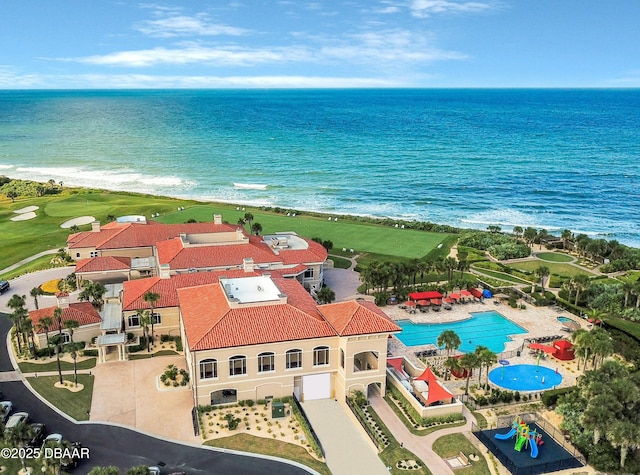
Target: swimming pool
(490, 329)
(525, 377)
(563, 319)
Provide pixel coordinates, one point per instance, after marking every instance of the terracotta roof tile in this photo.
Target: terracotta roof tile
(107, 263)
(357, 317)
(209, 322)
(83, 312)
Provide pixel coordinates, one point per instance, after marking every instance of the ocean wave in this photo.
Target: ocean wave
(6, 167)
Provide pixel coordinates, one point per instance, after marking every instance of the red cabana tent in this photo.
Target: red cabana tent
(564, 350)
(436, 391)
(425, 295)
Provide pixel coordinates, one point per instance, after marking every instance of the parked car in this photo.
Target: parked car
(38, 430)
(4, 286)
(14, 420)
(5, 409)
(154, 470)
(52, 440)
(69, 463)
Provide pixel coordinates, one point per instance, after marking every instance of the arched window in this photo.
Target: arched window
(321, 356)
(294, 359)
(266, 362)
(208, 369)
(237, 365)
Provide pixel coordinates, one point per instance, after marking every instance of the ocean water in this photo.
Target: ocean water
(553, 159)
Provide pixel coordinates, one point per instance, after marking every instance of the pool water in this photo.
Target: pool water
(565, 319)
(490, 329)
(525, 377)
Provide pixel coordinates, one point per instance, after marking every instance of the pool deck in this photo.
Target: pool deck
(537, 321)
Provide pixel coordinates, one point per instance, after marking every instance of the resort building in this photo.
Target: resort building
(132, 247)
(264, 336)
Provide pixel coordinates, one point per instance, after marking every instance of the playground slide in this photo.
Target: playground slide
(534, 449)
(506, 436)
(519, 443)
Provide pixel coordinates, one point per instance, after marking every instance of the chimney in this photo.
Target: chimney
(165, 271)
(95, 227)
(217, 219)
(247, 264)
(63, 300)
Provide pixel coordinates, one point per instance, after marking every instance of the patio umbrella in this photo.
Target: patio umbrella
(410, 303)
(454, 296)
(423, 303)
(465, 293)
(447, 300)
(436, 301)
(541, 347)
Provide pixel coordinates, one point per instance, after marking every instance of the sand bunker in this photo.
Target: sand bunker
(24, 216)
(77, 221)
(28, 209)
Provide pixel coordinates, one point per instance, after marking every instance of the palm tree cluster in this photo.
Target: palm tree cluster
(92, 292)
(22, 323)
(591, 346)
(603, 416)
(403, 277)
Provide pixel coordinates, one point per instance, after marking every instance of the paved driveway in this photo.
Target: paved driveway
(23, 285)
(343, 282)
(129, 393)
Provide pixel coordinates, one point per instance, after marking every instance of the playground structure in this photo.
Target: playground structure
(524, 436)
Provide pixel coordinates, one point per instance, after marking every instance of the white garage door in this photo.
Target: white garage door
(316, 386)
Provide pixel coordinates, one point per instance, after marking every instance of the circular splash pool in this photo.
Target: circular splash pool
(525, 377)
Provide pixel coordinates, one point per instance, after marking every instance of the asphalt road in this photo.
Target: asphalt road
(124, 448)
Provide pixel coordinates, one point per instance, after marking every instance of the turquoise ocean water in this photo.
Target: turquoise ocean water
(551, 159)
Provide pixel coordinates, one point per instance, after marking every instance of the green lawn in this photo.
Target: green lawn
(26, 238)
(451, 445)
(76, 405)
(340, 262)
(501, 276)
(275, 448)
(554, 257)
(143, 356)
(28, 367)
(555, 268)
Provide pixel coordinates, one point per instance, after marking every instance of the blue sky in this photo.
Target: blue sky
(295, 43)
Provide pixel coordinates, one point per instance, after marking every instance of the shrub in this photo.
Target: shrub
(550, 398)
(90, 353)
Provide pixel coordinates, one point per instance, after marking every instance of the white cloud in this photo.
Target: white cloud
(229, 56)
(426, 8)
(182, 25)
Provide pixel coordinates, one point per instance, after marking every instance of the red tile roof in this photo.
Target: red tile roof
(99, 264)
(134, 290)
(210, 322)
(128, 235)
(178, 257)
(357, 317)
(83, 312)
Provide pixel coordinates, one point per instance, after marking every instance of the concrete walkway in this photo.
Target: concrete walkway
(347, 449)
(419, 445)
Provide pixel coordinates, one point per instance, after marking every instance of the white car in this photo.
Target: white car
(14, 420)
(52, 440)
(154, 470)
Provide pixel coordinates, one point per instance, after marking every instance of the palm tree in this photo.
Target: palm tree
(17, 304)
(57, 314)
(517, 231)
(35, 293)
(144, 319)
(580, 282)
(542, 273)
(248, 218)
(628, 289)
(325, 295)
(152, 298)
(487, 359)
(256, 228)
(18, 437)
(530, 234)
(451, 364)
(450, 340)
(27, 328)
(56, 341)
(542, 235)
(71, 325)
(624, 435)
(566, 236)
(44, 324)
(450, 264)
(469, 362)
